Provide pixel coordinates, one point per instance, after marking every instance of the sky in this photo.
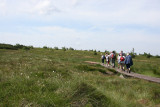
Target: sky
(82, 24)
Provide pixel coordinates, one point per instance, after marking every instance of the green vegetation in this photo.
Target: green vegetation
(54, 77)
(15, 47)
(147, 66)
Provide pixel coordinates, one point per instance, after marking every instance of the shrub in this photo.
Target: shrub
(56, 48)
(106, 51)
(133, 55)
(45, 47)
(71, 48)
(157, 56)
(7, 46)
(26, 48)
(18, 46)
(95, 52)
(148, 55)
(31, 47)
(63, 48)
(15, 47)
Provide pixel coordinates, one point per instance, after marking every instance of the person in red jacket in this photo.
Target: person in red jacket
(122, 59)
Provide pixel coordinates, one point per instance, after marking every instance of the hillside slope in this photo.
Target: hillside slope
(47, 77)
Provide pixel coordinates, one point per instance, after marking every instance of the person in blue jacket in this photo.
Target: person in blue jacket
(128, 61)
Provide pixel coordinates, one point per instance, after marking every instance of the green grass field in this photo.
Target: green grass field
(47, 78)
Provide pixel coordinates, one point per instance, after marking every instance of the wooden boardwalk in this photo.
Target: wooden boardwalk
(132, 74)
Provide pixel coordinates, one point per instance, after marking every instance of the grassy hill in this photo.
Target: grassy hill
(47, 77)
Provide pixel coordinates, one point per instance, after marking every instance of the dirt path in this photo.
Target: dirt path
(132, 74)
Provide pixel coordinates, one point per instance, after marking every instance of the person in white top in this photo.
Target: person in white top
(102, 58)
(107, 59)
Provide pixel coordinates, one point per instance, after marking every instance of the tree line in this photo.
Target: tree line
(15, 47)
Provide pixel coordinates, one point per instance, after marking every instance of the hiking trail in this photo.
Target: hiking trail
(132, 74)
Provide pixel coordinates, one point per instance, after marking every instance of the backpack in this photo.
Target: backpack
(122, 58)
(112, 55)
(103, 57)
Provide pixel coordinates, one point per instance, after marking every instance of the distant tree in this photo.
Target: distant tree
(145, 54)
(31, 47)
(15, 47)
(26, 48)
(157, 56)
(106, 51)
(18, 46)
(148, 55)
(71, 48)
(133, 55)
(56, 48)
(63, 48)
(7, 46)
(45, 47)
(95, 52)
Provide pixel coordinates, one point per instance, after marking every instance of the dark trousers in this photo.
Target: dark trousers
(103, 61)
(113, 62)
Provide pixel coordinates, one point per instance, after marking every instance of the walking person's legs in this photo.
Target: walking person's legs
(123, 67)
(108, 63)
(128, 68)
(103, 61)
(113, 63)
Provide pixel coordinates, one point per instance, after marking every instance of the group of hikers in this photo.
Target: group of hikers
(122, 59)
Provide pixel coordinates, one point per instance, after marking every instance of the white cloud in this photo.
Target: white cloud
(44, 7)
(58, 31)
(49, 36)
(2, 7)
(60, 36)
(63, 23)
(141, 12)
(127, 12)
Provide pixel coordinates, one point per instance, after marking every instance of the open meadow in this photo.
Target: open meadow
(48, 77)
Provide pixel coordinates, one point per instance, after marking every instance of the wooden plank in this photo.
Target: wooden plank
(132, 74)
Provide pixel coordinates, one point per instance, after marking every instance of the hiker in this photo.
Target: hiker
(122, 59)
(112, 56)
(128, 61)
(123, 54)
(102, 58)
(107, 59)
(118, 60)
